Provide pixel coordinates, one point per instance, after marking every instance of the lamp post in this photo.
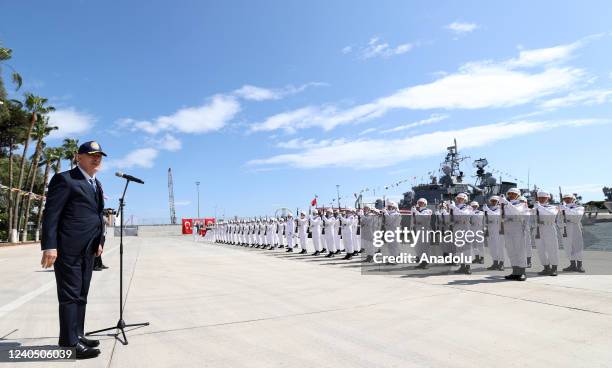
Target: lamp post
(198, 190)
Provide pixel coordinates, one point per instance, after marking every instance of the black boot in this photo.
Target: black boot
(545, 271)
(369, 259)
(323, 250)
(579, 267)
(528, 262)
(355, 253)
(303, 251)
(553, 270)
(461, 269)
(521, 276)
(501, 266)
(330, 254)
(513, 275)
(348, 256)
(571, 268)
(316, 253)
(338, 251)
(494, 266)
(289, 250)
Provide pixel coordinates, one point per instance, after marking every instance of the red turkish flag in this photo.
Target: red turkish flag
(313, 203)
(187, 226)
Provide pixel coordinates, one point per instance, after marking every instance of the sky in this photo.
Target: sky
(270, 103)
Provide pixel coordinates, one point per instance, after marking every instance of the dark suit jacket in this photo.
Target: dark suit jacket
(73, 216)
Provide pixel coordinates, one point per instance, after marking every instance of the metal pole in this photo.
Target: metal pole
(338, 192)
(198, 189)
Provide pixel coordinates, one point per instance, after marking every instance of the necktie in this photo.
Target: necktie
(92, 181)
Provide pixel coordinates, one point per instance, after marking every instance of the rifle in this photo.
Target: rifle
(486, 226)
(537, 235)
(563, 212)
(502, 230)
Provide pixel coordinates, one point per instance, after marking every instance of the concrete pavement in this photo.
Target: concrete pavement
(227, 306)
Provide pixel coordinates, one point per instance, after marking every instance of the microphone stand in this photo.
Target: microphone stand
(121, 325)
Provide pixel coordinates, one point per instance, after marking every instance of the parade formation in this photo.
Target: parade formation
(454, 232)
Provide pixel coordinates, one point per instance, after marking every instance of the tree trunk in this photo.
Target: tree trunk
(43, 199)
(28, 200)
(10, 191)
(26, 145)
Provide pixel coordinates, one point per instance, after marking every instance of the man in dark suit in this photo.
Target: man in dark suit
(72, 235)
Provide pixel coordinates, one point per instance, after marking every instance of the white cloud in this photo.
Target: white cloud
(590, 97)
(368, 131)
(434, 118)
(376, 48)
(347, 50)
(168, 142)
(209, 117)
(142, 157)
(375, 153)
(254, 93)
(476, 85)
(460, 28)
(298, 143)
(70, 123)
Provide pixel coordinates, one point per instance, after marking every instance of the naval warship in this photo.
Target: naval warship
(451, 181)
(608, 202)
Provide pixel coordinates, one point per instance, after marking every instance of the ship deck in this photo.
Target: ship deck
(227, 306)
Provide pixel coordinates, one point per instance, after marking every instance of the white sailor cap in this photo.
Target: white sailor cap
(302, 213)
(568, 195)
(494, 198)
(474, 203)
(543, 194)
(391, 204)
(462, 195)
(422, 200)
(514, 190)
(289, 214)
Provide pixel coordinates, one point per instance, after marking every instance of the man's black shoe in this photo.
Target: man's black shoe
(104, 266)
(348, 256)
(356, 253)
(289, 250)
(83, 351)
(330, 254)
(316, 253)
(303, 251)
(369, 259)
(98, 268)
(89, 342)
(323, 250)
(337, 251)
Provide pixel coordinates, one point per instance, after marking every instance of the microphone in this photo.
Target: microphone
(129, 177)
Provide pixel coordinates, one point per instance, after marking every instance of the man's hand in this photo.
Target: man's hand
(99, 251)
(48, 258)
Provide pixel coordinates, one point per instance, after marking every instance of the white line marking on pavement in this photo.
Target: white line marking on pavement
(32, 294)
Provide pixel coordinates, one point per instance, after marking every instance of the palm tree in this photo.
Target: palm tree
(35, 105)
(40, 131)
(49, 159)
(12, 133)
(71, 147)
(6, 54)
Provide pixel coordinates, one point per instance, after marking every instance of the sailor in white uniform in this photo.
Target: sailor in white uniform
(546, 241)
(302, 231)
(460, 214)
(346, 228)
(495, 240)
(392, 221)
(513, 214)
(571, 226)
(315, 229)
(422, 220)
(329, 222)
(477, 225)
